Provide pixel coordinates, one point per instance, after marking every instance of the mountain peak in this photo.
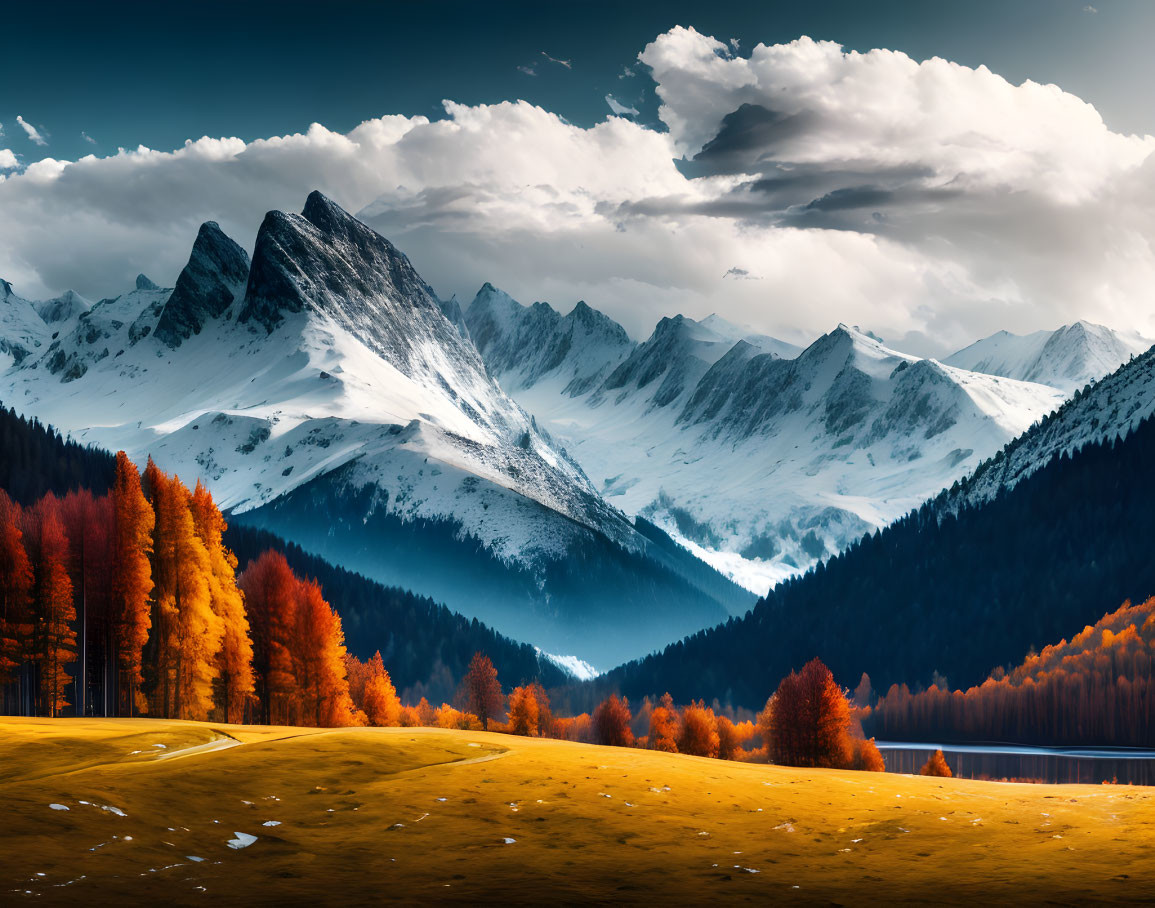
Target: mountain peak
(326, 215)
(144, 283)
(68, 305)
(212, 280)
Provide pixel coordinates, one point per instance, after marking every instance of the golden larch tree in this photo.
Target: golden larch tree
(234, 663)
(129, 612)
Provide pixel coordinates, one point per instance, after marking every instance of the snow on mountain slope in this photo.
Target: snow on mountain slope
(763, 342)
(63, 308)
(526, 345)
(327, 365)
(23, 332)
(1110, 408)
(762, 465)
(1067, 358)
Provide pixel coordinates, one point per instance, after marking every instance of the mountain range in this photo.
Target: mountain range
(323, 377)
(762, 458)
(544, 473)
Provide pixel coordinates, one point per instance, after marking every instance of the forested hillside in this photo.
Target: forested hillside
(35, 459)
(957, 594)
(425, 646)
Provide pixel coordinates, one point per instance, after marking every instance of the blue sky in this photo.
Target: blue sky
(789, 166)
(127, 74)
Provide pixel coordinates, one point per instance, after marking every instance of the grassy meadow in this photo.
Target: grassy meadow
(166, 811)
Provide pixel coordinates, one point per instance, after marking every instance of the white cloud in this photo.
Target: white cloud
(620, 109)
(8, 159)
(33, 133)
(87, 138)
(926, 200)
(568, 64)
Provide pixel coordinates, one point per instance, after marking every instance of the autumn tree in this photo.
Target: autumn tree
(16, 583)
(129, 618)
(807, 721)
(480, 691)
(234, 659)
(87, 521)
(936, 765)
(611, 722)
(524, 712)
(663, 733)
(318, 656)
(865, 756)
(698, 735)
(187, 633)
(270, 596)
(53, 640)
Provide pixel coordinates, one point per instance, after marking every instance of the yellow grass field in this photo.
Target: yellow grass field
(365, 816)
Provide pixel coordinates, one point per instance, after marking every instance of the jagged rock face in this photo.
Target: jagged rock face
(523, 346)
(678, 353)
(327, 262)
(210, 283)
(144, 283)
(68, 305)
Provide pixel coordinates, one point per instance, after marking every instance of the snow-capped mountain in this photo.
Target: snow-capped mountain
(1066, 358)
(63, 308)
(321, 391)
(1109, 409)
(762, 464)
(23, 332)
(527, 345)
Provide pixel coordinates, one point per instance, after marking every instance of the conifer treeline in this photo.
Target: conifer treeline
(1099, 688)
(129, 603)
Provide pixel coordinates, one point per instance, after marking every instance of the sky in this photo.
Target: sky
(789, 166)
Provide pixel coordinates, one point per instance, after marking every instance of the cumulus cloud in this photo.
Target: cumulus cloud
(923, 200)
(33, 133)
(8, 159)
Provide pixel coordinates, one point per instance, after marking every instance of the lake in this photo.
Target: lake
(1090, 765)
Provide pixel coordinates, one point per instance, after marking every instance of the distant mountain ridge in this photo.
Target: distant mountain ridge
(1066, 358)
(759, 457)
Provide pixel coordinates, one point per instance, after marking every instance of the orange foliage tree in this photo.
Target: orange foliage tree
(807, 721)
(16, 583)
(53, 639)
(186, 632)
(664, 725)
(699, 731)
(373, 692)
(129, 616)
(936, 765)
(234, 660)
(270, 594)
(480, 692)
(611, 722)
